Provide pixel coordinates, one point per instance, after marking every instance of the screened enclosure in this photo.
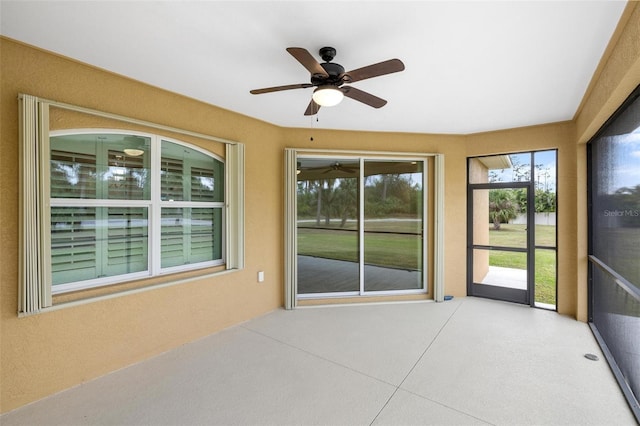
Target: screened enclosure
(614, 244)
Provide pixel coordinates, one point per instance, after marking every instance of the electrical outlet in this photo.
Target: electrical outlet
(261, 276)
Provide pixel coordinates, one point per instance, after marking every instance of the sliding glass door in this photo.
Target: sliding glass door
(393, 225)
(328, 226)
(360, 226)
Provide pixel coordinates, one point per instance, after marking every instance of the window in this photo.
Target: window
(103, 207)
(104, 210)
(103, 204)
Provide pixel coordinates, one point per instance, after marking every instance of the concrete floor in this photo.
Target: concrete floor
(506, 277)
(465, 361)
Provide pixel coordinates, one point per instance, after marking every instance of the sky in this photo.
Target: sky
(544, 173)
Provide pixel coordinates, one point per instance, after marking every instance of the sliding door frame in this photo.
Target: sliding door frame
(290, 232)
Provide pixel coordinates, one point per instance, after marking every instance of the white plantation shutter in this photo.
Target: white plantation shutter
(172, 237)
(172, 179)
(126, 242)
(123, 183)
(73, 246)
(191, 232)
(200, 178)
(203, 235)
(62, 163)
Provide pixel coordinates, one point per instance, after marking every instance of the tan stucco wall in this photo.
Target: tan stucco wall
(453, 149)
(479, 173)
(46, 353)
(617, 76)
(558, 136)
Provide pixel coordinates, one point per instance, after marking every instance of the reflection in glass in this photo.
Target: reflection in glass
(327, 205)
(190, 175)
(393, 211)
(100, 166)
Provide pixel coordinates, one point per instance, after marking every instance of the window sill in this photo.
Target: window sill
(112, 291)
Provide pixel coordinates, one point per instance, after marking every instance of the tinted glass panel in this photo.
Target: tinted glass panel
(190, 235)
(190, 175)
(96, 242)
(328, 245)
(393, 226)
(97, 166)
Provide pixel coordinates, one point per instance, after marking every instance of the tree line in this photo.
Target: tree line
(337, 198)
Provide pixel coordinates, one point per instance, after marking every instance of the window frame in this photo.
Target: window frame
(290, 219)
(153, 205)
(34, 272)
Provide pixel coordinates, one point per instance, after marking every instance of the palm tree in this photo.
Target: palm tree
(502, 206)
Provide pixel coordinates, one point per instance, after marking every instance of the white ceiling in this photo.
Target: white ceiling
(470, 66)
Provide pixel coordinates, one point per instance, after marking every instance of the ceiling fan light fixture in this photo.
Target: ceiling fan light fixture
(327, 95)
(133, 152)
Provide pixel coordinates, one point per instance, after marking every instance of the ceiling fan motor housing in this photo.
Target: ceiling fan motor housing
(335, 71)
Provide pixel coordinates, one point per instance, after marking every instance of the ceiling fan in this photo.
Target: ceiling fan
(335, 167)
(329, 79)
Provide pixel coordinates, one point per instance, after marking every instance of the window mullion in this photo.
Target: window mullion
(155, 213)
(102, 235)
(187, 215)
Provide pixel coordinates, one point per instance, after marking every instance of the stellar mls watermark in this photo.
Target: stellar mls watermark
(622, 213)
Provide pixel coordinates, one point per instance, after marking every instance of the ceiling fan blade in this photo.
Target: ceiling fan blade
(307, 60)
(279, 88)
(346, 169)
(375, 70)
(364, 97)
(312, 109)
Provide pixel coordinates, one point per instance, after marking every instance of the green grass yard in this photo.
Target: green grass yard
(403, 250)
(382, 249)
(545, 260)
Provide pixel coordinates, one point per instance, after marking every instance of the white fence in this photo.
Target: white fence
(548, 219)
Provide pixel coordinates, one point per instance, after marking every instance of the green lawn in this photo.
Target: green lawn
(392, 250)
(403, 251)
(545, 260)
(516, 236)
